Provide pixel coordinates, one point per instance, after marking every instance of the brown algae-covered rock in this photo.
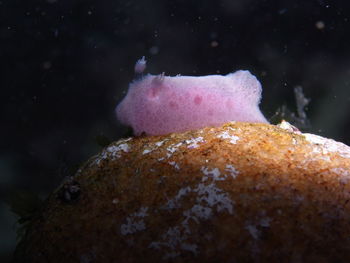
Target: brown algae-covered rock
(237, 193)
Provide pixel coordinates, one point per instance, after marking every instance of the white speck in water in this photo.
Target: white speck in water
(320, 25)
(154, 50)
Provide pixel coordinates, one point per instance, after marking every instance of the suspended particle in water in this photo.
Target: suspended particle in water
(320, 25)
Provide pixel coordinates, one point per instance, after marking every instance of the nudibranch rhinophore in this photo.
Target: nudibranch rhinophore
(159, 104)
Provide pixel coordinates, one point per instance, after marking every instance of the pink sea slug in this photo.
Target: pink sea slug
(158, 104)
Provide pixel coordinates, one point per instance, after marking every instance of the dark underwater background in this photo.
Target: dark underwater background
(66, 64)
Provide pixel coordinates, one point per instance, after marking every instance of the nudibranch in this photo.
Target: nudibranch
(159, 104)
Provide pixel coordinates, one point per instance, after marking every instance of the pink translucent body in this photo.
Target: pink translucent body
(159, 105)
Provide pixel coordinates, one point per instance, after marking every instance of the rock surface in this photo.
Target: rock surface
(242, 192)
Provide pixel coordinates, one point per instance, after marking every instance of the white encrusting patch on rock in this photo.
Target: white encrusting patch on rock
(153, 147)
(146, 151)
(206, 198)
(125, 140)
(324, 146)
(177, 167)
(215, 174)
(175, 201)
(112, 152)
(213, 196)
(255, 228)
(194, 142)
(173, 148)
(227, 136)
(172, 241)
(265, 221)
(288, 127)
(134, 222)
(160, 143)
(231, 171)
(253, 231)
(344, 174)
(197, 212)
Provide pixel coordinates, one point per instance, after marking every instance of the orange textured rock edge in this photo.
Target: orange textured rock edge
(237, 193)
